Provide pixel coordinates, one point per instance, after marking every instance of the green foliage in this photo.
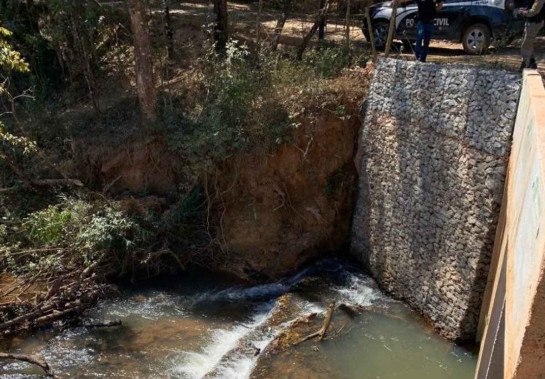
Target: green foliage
(10, 59)
(89, 230)
(109, 230)
(13, 143)
(328, 61)
(242, 110)
(48, 226)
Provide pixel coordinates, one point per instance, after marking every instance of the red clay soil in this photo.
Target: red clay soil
(279, 210)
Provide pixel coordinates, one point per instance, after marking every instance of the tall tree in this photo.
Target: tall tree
(145, 79)
(221, 34)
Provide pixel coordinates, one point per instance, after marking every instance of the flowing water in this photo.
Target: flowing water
(203, 327)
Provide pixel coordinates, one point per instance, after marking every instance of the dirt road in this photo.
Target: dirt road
(243, 19)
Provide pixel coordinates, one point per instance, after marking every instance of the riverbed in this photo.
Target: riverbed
(202, 325)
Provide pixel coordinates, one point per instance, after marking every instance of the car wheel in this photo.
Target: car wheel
(380, 32)
(476, 39)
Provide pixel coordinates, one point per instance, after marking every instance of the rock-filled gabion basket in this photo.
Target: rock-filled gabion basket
(435, 142)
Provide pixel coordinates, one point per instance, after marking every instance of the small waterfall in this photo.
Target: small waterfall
(224, 356)
(232, 353)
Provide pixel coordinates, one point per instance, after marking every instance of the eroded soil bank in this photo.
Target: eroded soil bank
(267, 212)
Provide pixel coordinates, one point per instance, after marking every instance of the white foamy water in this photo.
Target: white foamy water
(241, 365)
(360, 290)
(153, 306)
(211, 357)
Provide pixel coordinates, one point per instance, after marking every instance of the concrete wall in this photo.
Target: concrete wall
(523, 246)
(435, 143)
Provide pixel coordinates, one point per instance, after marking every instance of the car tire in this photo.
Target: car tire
(380, 32)
(476, 39)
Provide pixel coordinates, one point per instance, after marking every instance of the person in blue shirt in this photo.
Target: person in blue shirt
(427, 12)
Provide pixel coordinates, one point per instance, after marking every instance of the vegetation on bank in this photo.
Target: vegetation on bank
(64, 241)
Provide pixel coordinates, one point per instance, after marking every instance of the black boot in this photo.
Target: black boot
(532, 64)
(523, 65)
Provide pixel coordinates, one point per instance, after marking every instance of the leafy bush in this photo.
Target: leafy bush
(328, 61)
(86, 230)
(241, 110)
(48, 226)
(109, 230)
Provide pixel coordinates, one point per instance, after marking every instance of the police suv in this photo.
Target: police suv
(474, 23)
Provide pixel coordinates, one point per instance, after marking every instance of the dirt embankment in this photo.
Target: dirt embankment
(269, 212)
(279, 210)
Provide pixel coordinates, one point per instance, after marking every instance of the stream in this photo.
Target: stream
(202, 326)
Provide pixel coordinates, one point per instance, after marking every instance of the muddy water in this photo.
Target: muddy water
(200, 326)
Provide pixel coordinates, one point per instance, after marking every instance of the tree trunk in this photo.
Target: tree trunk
(258, 25)
(321, 29)
(371, 35)
(391, 29)
(145, 80)
(319, 20)
(347, 24)
(169, 34)
(221, 34)
(81, 42)
(280, 25)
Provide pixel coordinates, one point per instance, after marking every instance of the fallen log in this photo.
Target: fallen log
(33, 359)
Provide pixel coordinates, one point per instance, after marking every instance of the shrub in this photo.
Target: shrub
(329, 61)
(48, 226)
(86, 230)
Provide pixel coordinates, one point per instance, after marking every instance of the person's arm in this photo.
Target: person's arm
(534, 11)
(439, 5)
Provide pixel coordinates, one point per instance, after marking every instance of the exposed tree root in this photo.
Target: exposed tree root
(34, 359)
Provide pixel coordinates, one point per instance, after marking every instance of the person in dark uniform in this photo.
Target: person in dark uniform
(427, 12)
(534, 12)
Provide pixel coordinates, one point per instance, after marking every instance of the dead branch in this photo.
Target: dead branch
(325, 326)
(107, 324)
(35, 360)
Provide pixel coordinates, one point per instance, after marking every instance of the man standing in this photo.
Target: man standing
(535, 19)
(427, 12)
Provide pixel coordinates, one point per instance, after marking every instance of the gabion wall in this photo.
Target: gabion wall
(435, 142)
